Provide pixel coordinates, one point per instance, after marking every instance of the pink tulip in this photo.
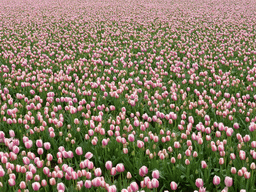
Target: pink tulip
(113, 171)
(105, 142)
(155, 174)
(228, 181)
(112, 188)
(26, 160)
(143, 171)
(221, 161)
(155, 183)
(96, 182)
(131, 137)
(88, 184)
(108, 165)
(140, 144)
(52, 181)
(88, 155)
(28, 144)
(177, 144)
(129, 175)
(79, 151)
(36, 186)
(236, 126)
(44, 183)
(247, 175)
(22, 185)
(39, 143)
(134, 186)
(2, 172)
(173, 185)
(120, 167)
(97, 172)
(203, 164)
(216, 180)
(47, 145)
(60, 186)
(11, 182)
(199, 182)
(40, 151)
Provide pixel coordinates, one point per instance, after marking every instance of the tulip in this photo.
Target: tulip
(79, 151)
(203, 164)
(120, 167)
(47, 145)
(155, 174)
(228, 181)
(60, 186)
(134, 186)
(36, 186)
(97, 172)
(108, 165)
(216, 180)
(199, 182)
(11, 182)
(143, 171)
(173, 185)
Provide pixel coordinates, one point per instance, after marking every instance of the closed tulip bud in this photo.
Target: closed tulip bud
(228, 181)
(11, 182)
(37, 178)
(60, 186)
(155, 174)
(47, 145)
(173, 160)
(155, 183)
(52, 181)
(221, 161)
(79, 151)
(199, 182)
(240, 173)
(195, 154)
(134, 187)
(200, 141)
(187, 162)
(187, 152)
(108, 165)
(96, 182)
(233, 170)
(247, 175)
(88, 175)
(113, 171)
(2, 172)
(173, 185)
(252, 166)
(120, 167)
(88, 155)
(88, 184)
(232, 156)
(129, 175)
(44, 183)
(36, 186)
(22, 185)
(203, 164)
(216, 180)
(143, 171)
(97, 172)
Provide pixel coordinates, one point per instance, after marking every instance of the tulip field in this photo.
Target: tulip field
(127, 95)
